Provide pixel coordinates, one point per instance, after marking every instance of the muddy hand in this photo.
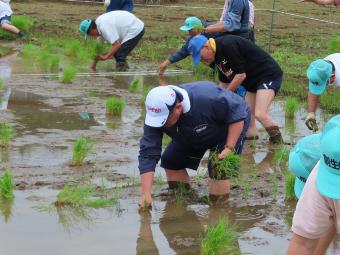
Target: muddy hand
(145, 202)
(162, 81)
(311, 122)
(94, 66)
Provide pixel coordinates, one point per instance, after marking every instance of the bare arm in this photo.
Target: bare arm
(301, 246)
(218, 27)
(322, 2)
(115, 47)
(146, 186)
(313, 101)
(237, 81)
(234, 132)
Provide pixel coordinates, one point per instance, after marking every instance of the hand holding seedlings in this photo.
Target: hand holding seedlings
(225, 153)
(145, 202)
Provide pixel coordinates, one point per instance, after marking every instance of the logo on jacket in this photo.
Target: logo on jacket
(200, 128)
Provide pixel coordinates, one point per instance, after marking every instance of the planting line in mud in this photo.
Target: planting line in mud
(217, 8)
(104, 74)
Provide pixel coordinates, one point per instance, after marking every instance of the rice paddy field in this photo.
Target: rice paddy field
(69, 138)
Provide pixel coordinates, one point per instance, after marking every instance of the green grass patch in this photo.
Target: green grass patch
(114, 106)
(220, 239)
(289, 186)
(291, 106)
(81, 149)
(6, 134)
(7, 186)
(136, 85)
(334, 45)
(225, 168)
(68, 75)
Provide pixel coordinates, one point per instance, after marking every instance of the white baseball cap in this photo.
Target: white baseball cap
(160, 101)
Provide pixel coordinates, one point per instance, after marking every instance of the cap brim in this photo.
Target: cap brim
(298, 187)
(185, 28)
(196, 58)
(317, 90)
(327, 182)
(155, 121)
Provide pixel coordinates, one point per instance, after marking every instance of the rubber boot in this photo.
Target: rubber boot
(274, 134)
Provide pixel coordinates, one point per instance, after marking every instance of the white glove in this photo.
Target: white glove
(106, 3)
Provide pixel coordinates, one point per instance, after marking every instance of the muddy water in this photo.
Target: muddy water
(47, 117)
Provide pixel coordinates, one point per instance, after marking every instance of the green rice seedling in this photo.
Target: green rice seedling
(23, 23)
(281, 155)
(275, 184)
(225, 168)
(85, 194)
(180, 191)
(4, 153)
(220, 239)
(81, 148)
(291, 106)
(72, 48)
(68, 75)
(1, 85)
(6, 134)
(159, 180)
(6, 186)
(198, 177)
(289, 186)
(54, 62)
(245, 186)
(134, 181)
(136, 85)
(114, 106)
(165, 140)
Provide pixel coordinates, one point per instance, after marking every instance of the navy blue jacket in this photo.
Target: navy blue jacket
(204, 126)
(120, 5)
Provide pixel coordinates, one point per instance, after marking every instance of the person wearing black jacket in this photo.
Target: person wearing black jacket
(240, 61)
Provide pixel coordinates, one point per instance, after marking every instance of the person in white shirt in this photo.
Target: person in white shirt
(5, 19)
(121, 29)
(321, 74)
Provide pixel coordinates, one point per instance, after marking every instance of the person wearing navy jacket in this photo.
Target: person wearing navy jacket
(198, 116)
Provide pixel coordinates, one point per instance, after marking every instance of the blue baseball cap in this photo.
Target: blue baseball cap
(195, 45)
(192, 23)
(318, 73)
(328, 179)
(303, 158)
(84, 27)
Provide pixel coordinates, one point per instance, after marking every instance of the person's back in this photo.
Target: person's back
(116, 5)
(258, 64)
(119, 25)
(236, 17)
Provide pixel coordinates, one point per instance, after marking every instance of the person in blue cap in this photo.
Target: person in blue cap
(302, 159)
(119, 5)
(198, 116)
(321, 74)
(121, 29)
(193, 26)
(239, 61)
(317, 215)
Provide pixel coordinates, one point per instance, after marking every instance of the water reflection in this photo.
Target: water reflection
(6, 206)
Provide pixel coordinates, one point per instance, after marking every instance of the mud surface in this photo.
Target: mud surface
(48, 116)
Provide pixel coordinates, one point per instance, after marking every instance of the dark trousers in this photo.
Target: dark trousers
(127, 47)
